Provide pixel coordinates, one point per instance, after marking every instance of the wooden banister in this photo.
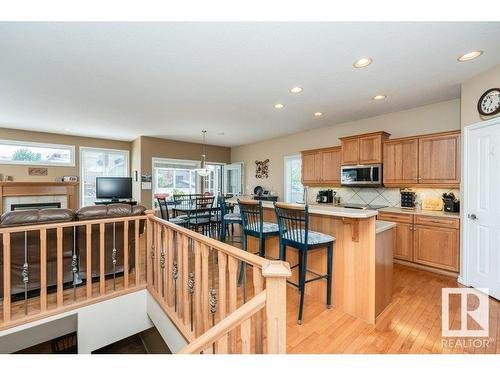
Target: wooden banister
(229, 323)
(276, 273)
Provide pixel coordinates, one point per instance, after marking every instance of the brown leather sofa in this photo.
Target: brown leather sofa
(57, 215)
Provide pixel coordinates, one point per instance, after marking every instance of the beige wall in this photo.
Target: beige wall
(20, 172)
(164, 148)
(472, 90)
(432, 118)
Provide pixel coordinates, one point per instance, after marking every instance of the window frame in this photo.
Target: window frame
(71, 148)
(286, 176)
(80, 167)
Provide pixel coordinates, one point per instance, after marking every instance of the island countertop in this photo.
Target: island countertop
(322, 209)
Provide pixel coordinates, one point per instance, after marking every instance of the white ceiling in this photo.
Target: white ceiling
(122, 80)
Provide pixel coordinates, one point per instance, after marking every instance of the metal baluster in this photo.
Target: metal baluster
(113, 256)
(25, 273)
(162, 261)
(74, 263)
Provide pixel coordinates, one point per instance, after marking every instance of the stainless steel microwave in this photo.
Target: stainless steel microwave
(361, 175)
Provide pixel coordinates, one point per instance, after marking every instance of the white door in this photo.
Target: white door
(481, 217)
(233, 178)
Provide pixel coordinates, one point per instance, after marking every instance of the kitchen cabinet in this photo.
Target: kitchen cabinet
(439, 159)
(401, 161)
(321, 166)
(437, 247)
(426, 240)
(363, 149)
(429, 161)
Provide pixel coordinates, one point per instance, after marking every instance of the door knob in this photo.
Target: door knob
(472, 216)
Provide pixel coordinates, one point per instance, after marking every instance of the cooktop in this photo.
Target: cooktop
(361, 206)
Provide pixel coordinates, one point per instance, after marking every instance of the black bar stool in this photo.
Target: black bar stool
(226, 218)
(253, 224)
(293, 222)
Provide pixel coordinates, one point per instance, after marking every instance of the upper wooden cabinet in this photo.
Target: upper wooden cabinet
(439, 159)
(321, 166)
(429, 160)
(401, 161)
(363, 149)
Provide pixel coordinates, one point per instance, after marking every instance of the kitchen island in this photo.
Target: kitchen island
(362, 270)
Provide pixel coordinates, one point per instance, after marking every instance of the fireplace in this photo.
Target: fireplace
(34, 206)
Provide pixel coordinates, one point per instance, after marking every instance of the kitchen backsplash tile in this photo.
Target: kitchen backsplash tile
(378, 196)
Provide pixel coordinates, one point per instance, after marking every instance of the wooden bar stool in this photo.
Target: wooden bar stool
(293, 222)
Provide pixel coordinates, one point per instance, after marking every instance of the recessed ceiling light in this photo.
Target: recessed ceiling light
(470, 56)
(379, 97)
(67, 129)
(296, 90)
(318, 114)
(279, 106)
(362, 62)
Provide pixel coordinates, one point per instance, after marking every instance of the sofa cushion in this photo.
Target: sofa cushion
(110, 210)
(32, 217)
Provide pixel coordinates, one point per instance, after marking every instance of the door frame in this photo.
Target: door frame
(463, 277)
(242, 176)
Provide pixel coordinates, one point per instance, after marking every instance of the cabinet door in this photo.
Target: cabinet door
(370, 149)
(350, 151)
(330, 166)
(439, 159)
(311, 167)
(437, 247)
(401, 162)
(404, 242)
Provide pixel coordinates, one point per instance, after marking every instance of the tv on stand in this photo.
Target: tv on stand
(113, 190)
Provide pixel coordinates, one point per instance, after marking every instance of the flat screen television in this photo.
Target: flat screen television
(114, 188)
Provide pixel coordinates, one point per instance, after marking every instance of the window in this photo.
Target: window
(173, 176)
(213, 182)
(15, 152)
(294, 191)
(98, 162)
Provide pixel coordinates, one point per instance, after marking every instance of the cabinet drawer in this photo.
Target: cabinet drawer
(445, 222)
(398, 218)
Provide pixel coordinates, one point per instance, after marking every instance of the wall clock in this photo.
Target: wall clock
(489, 103)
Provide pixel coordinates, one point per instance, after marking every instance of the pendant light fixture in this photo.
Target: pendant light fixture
(204, 170)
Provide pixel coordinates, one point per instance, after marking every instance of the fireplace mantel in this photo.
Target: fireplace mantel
(18, 189)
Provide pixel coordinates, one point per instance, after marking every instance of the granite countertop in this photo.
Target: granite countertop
(382, 226)
(325, 209)
(418, 211)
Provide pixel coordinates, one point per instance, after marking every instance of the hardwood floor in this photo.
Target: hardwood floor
(411, 324)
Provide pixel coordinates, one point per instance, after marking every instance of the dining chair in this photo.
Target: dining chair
(162, 204)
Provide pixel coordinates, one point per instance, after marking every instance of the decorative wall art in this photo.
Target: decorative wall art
(38, 171)
(262, 168)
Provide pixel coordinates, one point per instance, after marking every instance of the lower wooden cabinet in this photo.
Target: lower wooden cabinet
(404, 242)
(426, 240)
(437, 247)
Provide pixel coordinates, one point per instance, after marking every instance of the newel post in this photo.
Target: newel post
(149, 247)
(276, 273)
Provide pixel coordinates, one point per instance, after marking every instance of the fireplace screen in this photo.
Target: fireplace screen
(34, 206)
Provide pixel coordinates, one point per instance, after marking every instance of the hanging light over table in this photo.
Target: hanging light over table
(204, 170)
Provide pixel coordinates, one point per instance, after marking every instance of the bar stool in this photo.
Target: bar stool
(293, 222)
(162, 203)
(226, 217)
(253, 224)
